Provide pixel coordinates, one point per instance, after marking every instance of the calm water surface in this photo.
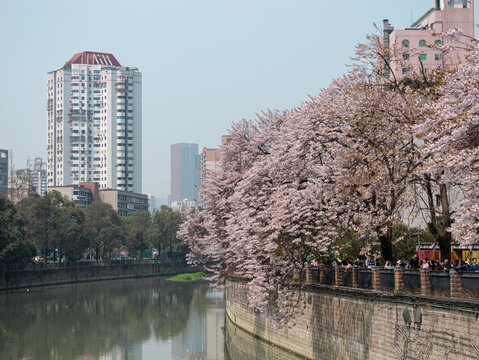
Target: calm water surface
(138, 319)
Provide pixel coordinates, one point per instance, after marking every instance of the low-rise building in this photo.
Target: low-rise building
(183, 205)
(125, 203)
(94, 188)
(81, 195)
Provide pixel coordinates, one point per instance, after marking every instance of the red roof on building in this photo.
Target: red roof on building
(93, 58)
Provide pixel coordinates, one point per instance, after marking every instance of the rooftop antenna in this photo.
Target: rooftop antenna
(411, 17)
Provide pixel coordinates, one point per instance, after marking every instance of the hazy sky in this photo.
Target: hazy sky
(205, 63)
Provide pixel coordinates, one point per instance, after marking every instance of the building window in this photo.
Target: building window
(422, 57)
(438, 42)
(422, 43)
(405, 43)
(438, 56)
(405, 71)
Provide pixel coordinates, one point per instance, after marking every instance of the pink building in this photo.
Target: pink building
(413, 49)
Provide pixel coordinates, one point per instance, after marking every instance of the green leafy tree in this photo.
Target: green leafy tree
(103, 228)
(166, 223)
(55, 222)
(39, 214)
(351, 245)
(68, 235)
(405, 240)
(13, 247)
(139, 231)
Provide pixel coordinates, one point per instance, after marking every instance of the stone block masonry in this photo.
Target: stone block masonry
(347, 323)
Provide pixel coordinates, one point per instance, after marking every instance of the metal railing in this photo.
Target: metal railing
(399, 280)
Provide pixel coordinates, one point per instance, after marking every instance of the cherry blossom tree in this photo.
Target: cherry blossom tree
(378, 153)
(293, 182)
(451, 133)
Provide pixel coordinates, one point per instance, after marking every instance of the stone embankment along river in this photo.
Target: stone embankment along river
(10, 280)
(345, 323)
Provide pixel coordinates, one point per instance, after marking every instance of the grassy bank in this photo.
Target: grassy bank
(188, 277)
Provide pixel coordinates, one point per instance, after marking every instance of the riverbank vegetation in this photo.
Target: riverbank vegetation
(368, 154)
(56, 229)
(188, 277)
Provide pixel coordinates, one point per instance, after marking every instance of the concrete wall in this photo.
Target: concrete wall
(30, 278)
(344, 323)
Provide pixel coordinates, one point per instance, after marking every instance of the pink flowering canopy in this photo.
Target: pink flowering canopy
(291, 183)
(451, 135)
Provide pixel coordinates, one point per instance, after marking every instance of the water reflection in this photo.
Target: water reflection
(128, 319)
(139, 319)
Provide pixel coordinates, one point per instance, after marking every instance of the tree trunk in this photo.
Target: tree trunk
(446, 222)
(386, 248)
(438, 225)
(445, 245)
(386, 244)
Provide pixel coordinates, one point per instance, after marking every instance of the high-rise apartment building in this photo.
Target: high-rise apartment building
(185, 162)
(94, 123)
(414, 49)
(3, 172)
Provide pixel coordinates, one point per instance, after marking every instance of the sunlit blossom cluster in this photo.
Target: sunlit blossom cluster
(293, 182)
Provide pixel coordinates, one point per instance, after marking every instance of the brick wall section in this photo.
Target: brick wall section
(455, 282)
(398, 279)
(322, 274)
(31, 278)
(376, 282)
(309, 276)
(425, 282)
(345, 323)
(355, 280)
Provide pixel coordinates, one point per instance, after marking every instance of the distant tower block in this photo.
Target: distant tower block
(185, 175)
(94, 123)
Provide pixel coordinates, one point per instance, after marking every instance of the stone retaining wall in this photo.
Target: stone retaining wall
(30, 278)
(346, 323)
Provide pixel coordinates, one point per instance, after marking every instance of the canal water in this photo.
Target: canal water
(136, 319)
